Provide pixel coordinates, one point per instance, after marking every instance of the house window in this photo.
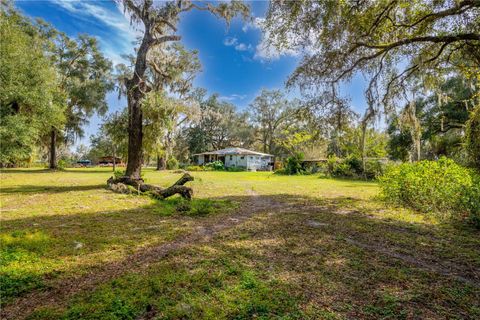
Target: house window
(242, 157)
(231, 157)
(251, 157)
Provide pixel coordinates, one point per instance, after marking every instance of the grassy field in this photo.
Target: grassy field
(249, 246)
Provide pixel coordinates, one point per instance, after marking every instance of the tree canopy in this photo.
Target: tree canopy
(396, 44)
(30, 102)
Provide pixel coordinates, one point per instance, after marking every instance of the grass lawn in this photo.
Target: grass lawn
(249, 246)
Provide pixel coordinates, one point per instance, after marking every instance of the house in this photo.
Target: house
(83, 163)
(108, 161)
(237, 158)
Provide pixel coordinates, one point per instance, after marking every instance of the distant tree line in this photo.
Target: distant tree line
(422, 96)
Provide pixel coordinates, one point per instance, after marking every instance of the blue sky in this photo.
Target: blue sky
(234, 63)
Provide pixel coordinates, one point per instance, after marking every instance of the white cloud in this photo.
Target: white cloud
(243, 47)
(233, 97)
(117, 20)
(230, 41)
(233, 42)
(264, 51)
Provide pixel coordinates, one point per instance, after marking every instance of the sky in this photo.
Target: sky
(235, 63)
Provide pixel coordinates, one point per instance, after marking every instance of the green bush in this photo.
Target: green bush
(336, 167)
(215, 165)
(355, 164)
(293, 164)
(172, 163)
(118, 173)
(352, 167)
(62, 164)
(373, 169)
(441, 187)
(343, 169)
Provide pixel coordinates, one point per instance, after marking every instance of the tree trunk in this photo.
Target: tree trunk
(135, 92)
(363, 146)
(369, 114)
(119, 185)
(417, 146)
(161, 163)
(135, 135)
(114, 159)
(53, 149)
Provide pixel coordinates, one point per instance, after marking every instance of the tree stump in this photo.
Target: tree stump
(120, 185)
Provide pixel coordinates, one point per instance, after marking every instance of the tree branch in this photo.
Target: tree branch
(459, 9)
(130, 6)
(435, 39)
(158, 41)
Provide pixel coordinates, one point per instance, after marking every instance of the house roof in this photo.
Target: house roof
(232, 151)
(109, 157)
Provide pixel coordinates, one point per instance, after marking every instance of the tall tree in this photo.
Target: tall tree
(85, 79)
(436, 122)
(163, 115)
(173, 69)
(159, 26)
(218, 125)
(30, 104)
(271, 112)
(113, 129)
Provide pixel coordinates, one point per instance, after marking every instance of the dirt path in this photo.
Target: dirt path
(59, 292)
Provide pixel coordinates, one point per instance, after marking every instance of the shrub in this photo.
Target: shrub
(343, 169)
(118, 173)
(215, 165)
(352, 167)
(441, 187)
(330, 165)
(373, 169)
(293, 164)
(336, 167)
(355, 164)
(62, 164)
(172, 163)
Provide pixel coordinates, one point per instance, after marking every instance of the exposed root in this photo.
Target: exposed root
(127, 185)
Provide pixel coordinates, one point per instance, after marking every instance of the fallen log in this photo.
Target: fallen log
(121, 184)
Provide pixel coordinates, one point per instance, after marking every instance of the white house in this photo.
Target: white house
(237, 157)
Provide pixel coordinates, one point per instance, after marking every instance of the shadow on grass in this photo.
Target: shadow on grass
(330, 242)
(68, 170)
(51, 189)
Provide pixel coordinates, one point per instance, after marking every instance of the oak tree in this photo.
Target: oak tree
(159, 22)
